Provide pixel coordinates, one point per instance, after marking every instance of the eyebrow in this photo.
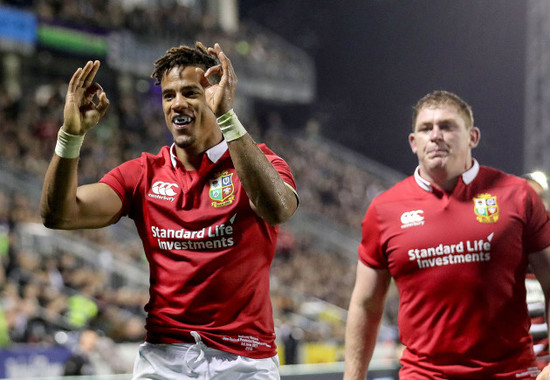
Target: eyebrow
(183, 88)
(443, 121)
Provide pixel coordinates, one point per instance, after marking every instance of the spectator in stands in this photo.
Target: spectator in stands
(82, 308)
(79, 363)
(207, 210)
(456, 237)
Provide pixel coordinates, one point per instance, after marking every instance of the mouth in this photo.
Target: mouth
(181, 121)
(438, 153)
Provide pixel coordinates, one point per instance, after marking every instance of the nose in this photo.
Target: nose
(436, 133)
(179, 102)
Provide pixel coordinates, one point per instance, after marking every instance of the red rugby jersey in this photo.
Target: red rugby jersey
(209, 253)
(459, 261)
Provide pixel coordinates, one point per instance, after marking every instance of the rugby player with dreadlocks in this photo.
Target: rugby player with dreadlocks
(207, 209)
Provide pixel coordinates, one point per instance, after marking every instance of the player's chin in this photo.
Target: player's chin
(183, 141)
(436, 163)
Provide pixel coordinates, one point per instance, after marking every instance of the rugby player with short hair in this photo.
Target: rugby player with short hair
(457, 237)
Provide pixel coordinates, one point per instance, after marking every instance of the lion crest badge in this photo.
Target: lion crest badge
(486, 208)
(222, 189)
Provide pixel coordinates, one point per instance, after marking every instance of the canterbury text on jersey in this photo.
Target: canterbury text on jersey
(209, 253)
(459, 261)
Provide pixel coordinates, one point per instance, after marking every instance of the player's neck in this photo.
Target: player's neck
(190, 160)
(191, 156)
(440, 179)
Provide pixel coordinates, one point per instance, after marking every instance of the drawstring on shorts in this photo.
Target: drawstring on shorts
(199, 345)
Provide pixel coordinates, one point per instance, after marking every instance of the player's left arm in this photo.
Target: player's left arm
(270, 197)
(540, 262)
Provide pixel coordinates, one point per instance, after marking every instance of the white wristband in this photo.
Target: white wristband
(231, 127)
(68, 145)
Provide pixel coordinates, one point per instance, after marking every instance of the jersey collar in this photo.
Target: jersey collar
(467, 177)
(214, 153)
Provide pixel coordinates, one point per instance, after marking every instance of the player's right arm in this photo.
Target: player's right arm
(65, 205)
(364, 318)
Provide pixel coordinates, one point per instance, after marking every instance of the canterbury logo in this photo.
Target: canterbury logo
(412, 218)
(164, 188)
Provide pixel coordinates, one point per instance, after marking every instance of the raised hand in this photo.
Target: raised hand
(81, 112)
(220, 97)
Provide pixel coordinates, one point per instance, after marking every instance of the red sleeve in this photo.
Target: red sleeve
(370, 250)
(124, 180)
(280, 165)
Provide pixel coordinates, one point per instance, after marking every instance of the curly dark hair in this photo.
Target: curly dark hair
(185, 56)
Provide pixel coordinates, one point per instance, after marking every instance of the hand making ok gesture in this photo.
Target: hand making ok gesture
(220, 97)
(85, 102)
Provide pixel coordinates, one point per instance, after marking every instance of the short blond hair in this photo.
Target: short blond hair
(441, 97)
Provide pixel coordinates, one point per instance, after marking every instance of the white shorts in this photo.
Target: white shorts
(182, 361)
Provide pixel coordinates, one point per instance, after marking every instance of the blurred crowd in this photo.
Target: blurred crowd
(45, 293)
(42, 294)
(153, 18)
(254, 49)
(334, 188)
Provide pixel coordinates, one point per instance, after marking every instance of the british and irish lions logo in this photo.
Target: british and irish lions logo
(222, 189)
(486, 208)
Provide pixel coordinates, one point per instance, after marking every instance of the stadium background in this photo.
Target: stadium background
(327, 85)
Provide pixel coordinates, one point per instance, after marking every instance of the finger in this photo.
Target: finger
(103, 104)
(203, 80)
(214, 70)
(227, 67)
(74, 80)
(227, 71)
(216, 49)
(84, 74)
(224, 60)
(87, 97)
(93, 89)
(75, 84)
(89, 78)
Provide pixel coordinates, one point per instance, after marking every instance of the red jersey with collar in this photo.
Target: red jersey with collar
(459, 262)
(209, 253)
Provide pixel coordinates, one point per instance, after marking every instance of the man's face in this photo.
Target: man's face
(442, 141)
(187, 115)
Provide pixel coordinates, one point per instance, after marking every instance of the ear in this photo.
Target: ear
(412, 142)
(475, 135)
